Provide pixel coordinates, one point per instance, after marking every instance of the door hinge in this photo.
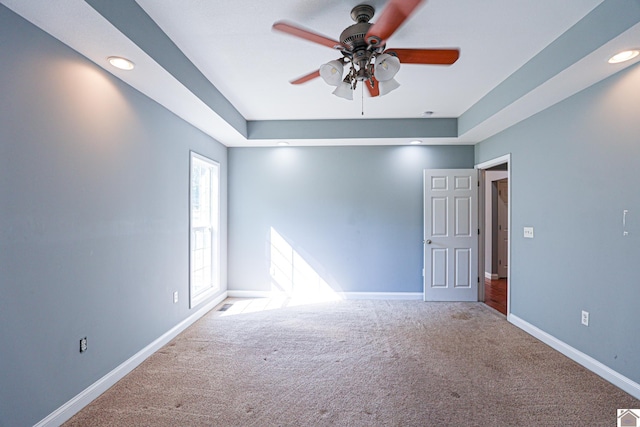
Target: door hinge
(478, 231)
(478, 279)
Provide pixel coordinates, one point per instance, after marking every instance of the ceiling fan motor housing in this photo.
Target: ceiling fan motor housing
(353, 36)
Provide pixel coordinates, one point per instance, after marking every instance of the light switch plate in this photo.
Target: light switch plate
(528, 232)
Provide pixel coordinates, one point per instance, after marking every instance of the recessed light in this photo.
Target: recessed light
(624, 56)
(427, 114)
(121, 63)
(283, 143)
(416, 142)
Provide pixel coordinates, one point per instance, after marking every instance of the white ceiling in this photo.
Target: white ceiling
(233, 46)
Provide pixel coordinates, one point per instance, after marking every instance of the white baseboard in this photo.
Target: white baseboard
(383, 295)
(73, 406)
(249, 294)
(490, 276)
(588, 362)
(342, 295)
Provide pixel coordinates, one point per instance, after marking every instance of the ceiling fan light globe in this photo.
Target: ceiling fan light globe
(344, 91)
(331, 72)
(387, 66)
(388, 86)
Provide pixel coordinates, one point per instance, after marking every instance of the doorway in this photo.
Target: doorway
(495, 220)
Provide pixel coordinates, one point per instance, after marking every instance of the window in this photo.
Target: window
(204, 229)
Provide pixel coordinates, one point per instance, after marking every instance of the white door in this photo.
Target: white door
(503, 227)
(450, 235)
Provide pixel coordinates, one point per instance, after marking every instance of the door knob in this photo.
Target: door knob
(428, 242)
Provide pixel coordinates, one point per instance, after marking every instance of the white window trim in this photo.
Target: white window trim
(195, 300)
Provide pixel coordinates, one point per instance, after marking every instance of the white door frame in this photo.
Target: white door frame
(481, 222)
(502, 208)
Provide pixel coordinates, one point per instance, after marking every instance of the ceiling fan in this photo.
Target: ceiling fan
(363, 48)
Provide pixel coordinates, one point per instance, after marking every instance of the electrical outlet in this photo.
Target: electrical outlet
(83, 344)
(175, 297)
(585, 318)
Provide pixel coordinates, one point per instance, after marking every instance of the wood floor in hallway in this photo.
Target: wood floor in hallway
(495, 294)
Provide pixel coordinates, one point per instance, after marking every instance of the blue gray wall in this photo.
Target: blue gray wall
(575, 168)
(94, 181)
(94, 218)
(353, 213)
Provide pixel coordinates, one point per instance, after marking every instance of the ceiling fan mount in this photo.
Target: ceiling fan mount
(363, 46)
(362, 13)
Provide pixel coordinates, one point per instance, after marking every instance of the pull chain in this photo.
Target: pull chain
(362, 97)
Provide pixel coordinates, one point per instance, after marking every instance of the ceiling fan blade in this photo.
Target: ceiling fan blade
(303, 79)
(375, 90)
(393, 16)
(426, 56)
(303, 33)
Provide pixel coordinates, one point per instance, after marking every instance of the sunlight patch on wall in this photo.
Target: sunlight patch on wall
(294, 277)
(294, 282)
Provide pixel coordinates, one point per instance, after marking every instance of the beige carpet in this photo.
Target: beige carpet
(357, 363)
